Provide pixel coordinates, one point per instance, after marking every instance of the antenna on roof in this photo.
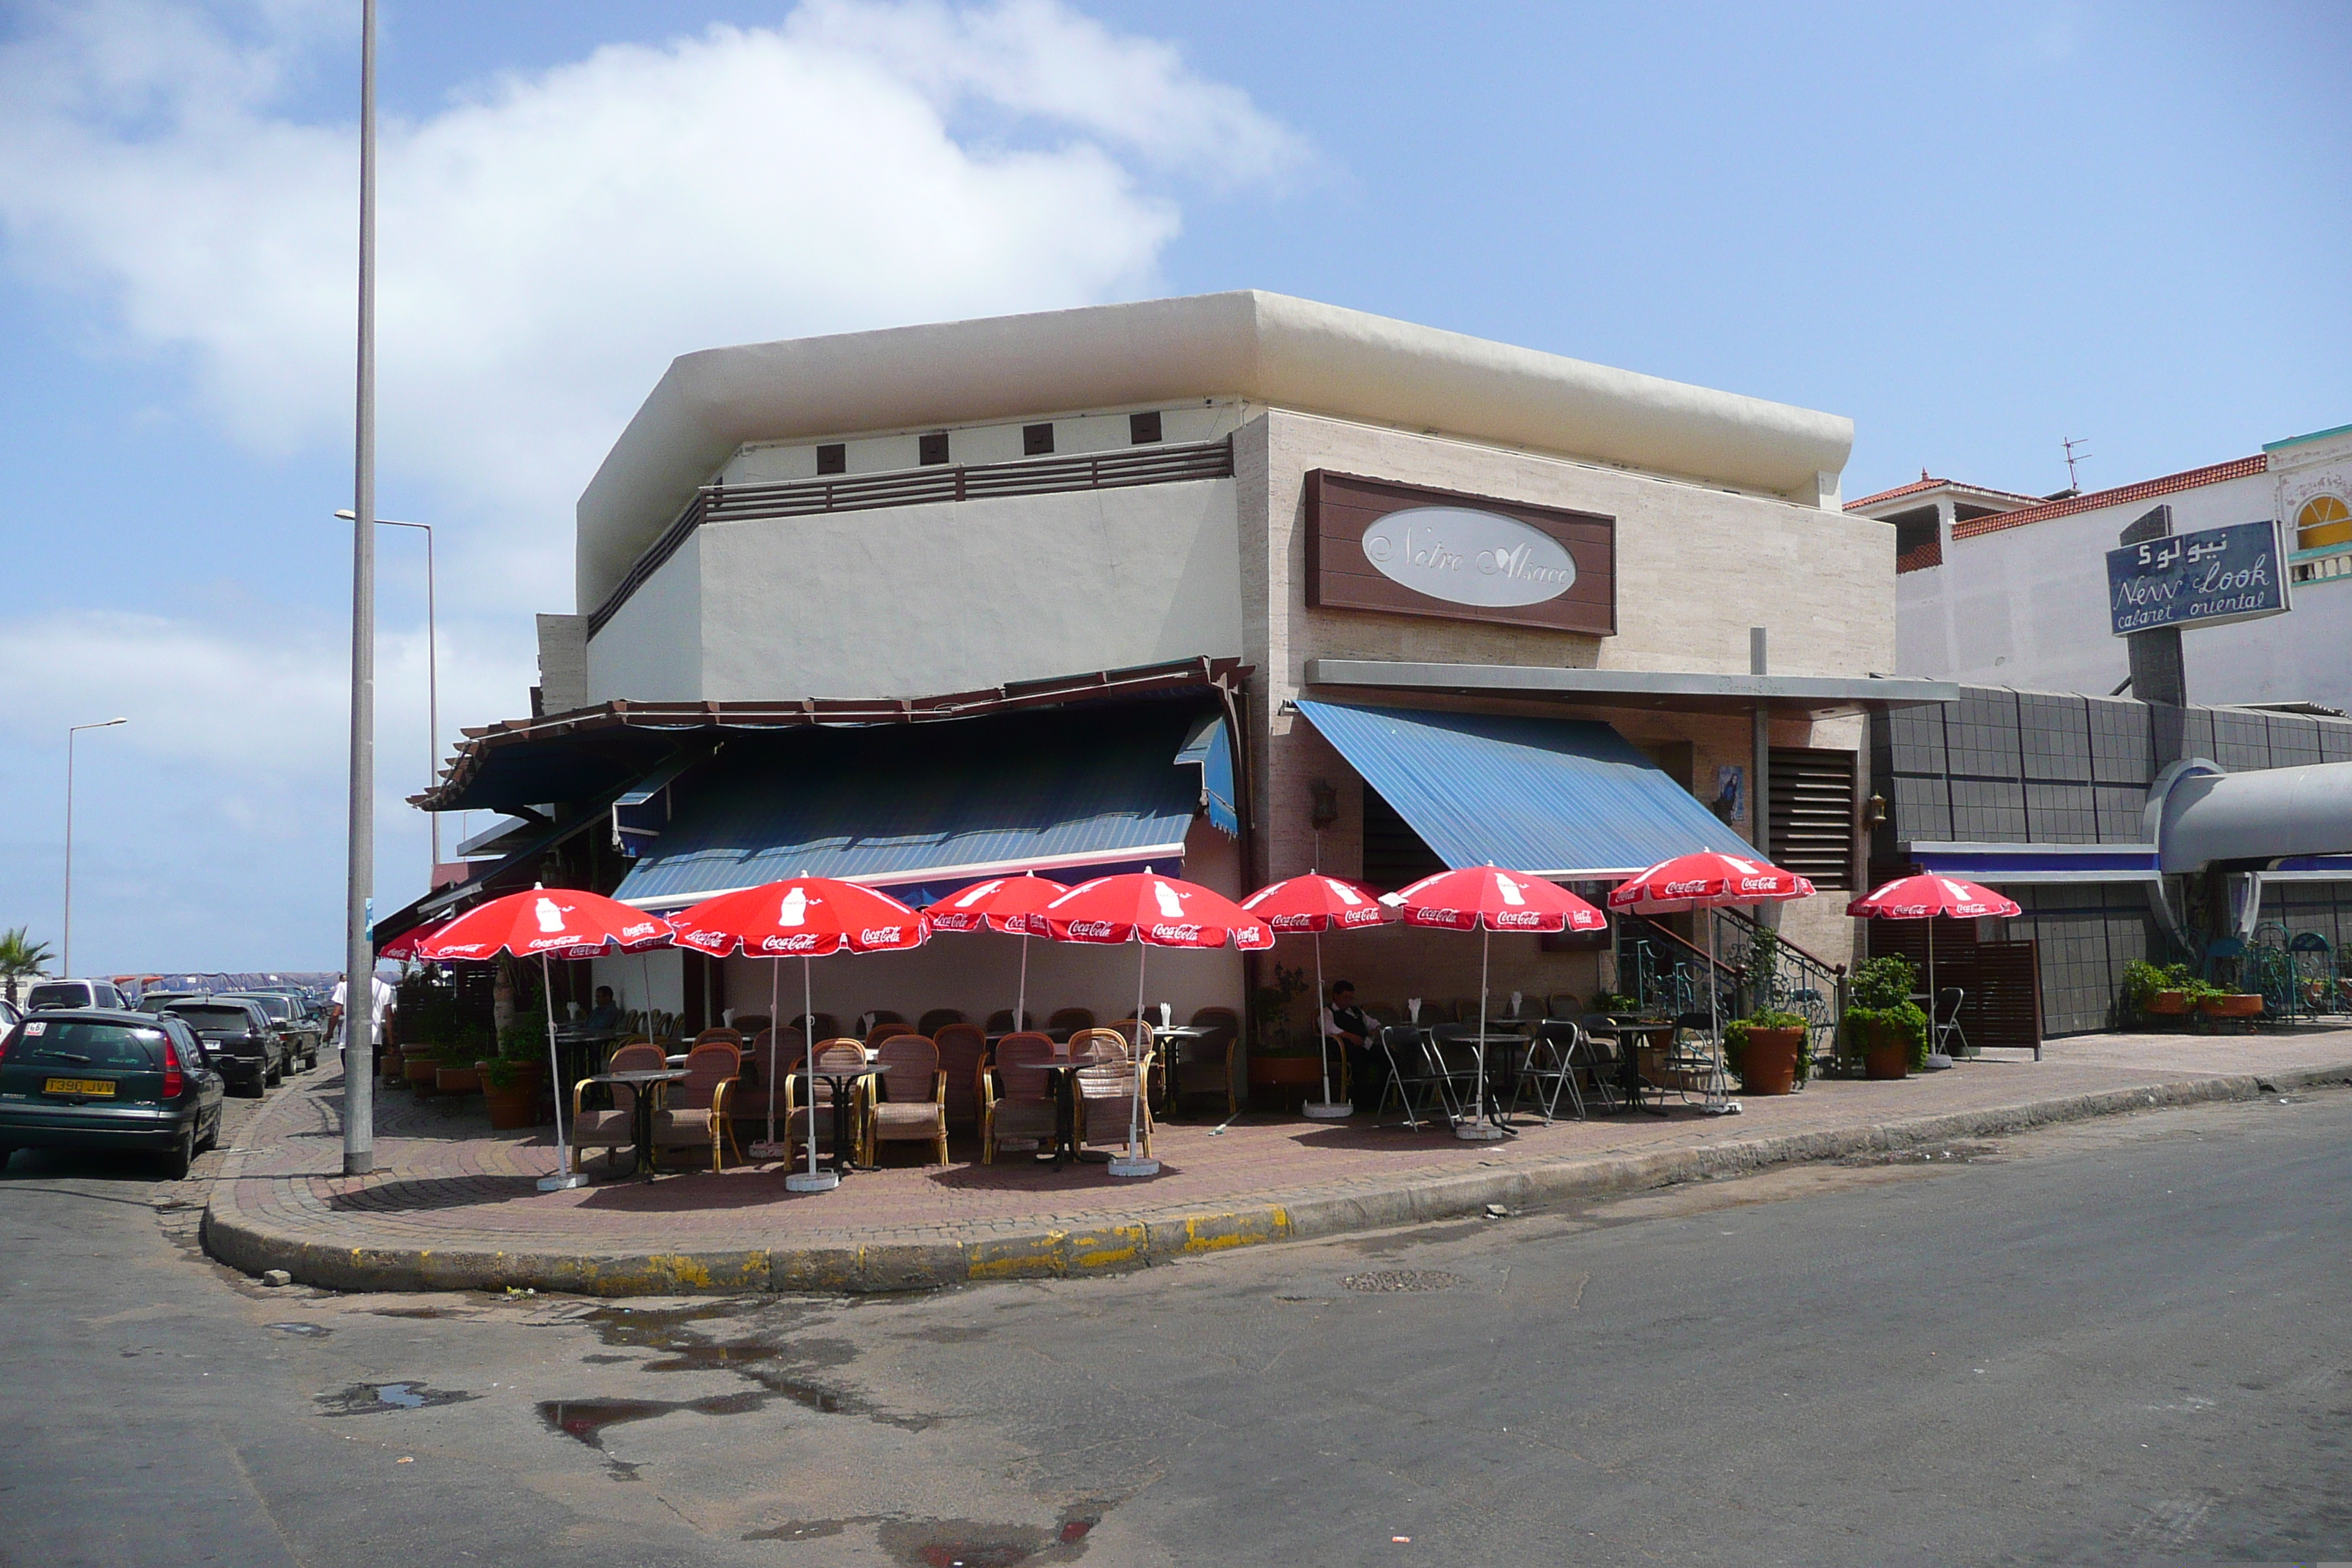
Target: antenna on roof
(2072, 456)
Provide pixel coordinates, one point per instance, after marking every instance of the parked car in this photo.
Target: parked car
(306, 1004)
(298, 1037)
(65, 996)
(108, 1079)
(10, 1015)
(158, 1001)
(245, 1046)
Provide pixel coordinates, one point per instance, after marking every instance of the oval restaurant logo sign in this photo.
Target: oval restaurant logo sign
(1469, 557)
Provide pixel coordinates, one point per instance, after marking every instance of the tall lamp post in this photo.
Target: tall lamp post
(359, 942)
(432, 681)
(65, 953)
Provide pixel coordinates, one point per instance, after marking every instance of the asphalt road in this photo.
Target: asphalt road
(2129, 1340)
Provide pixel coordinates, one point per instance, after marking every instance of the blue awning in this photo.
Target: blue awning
(1565, 798)
(922, 809)
(1210, 747)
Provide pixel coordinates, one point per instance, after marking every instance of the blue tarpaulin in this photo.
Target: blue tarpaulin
(1565, 798)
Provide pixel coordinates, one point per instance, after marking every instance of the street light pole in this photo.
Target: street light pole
(432, 681)
(65, 945)
(359, 945)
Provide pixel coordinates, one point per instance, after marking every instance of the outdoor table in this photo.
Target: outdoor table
(1168, 1060)
(843, 1081)
(641, 1118)
(1485, 1045)
(1630, 1031)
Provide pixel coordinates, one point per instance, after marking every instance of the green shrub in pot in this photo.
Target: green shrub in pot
(1879, 998)
(1735, 1040)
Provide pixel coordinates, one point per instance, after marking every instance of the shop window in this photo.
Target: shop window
(1394, 855)
(931, 450)
(833, 458)
(2324, 520)
(1143, 429)
(1037, 440)
(1812, 816)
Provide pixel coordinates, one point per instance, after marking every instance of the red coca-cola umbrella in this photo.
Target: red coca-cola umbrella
(1925, 898)
(1317, 904)
(1150, 910)
(1488, 899)
(404, 946)
(1709, 880)
(808, 918)
(548, 924)
(1014, 905)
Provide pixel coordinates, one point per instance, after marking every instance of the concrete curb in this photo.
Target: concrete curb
(240, 1241)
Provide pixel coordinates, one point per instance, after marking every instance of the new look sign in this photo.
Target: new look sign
(1408, 550)
(2211, 577)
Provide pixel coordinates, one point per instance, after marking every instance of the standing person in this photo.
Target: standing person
(380, 996)
(1344, 1022)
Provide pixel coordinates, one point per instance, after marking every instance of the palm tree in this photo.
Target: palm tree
(20, 955)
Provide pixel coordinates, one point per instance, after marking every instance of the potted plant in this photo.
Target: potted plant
(510, 1091)
(1616, 1002)
(2163, 991)
(1284, 1069)
(1881, 1018)
(1767, 1050)
(455, 1069)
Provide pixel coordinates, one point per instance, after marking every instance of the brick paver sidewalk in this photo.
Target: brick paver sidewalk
(453, 1203)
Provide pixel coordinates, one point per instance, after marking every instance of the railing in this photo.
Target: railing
(2319, 566)
(1787, 979)
(1119, 469)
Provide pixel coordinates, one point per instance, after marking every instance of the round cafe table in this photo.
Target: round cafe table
(843, 1082)
(645, 1085)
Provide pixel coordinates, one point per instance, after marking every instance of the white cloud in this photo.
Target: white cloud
(550, 240)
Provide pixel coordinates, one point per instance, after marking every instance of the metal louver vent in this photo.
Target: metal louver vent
(1813, 815)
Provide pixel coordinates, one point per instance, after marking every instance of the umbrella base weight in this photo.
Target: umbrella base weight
(1328, 1110)
(1121, 1165)
(1722, 1108)
(563, 1181)
(1476, 1131)
(812, 1181)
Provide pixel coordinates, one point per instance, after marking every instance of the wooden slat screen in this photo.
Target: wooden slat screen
(1813, 815)
(2004, 1005)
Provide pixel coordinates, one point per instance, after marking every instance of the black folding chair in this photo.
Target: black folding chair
(1547, 1069)
(1414, 1068)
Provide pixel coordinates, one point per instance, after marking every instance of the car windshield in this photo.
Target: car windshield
(157, 1001)
(57, 994)
(79, 1043)
(275, 1007)
(214, 1020)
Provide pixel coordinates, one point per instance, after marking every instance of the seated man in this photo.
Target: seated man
(1344, 1022)
(604, 1017)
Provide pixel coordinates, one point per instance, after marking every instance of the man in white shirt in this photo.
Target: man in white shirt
(380, 996)
(1345, 1025)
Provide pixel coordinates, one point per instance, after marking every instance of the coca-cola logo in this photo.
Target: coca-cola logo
(705, 941)
(878, 934)
(641, 930)
(1293, 922)
(1166, 931)
(1758, 884)
(459, 949)
(1516, 918)
(796, 942)
(1090, 928)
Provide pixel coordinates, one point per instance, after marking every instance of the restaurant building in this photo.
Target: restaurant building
(1241, 584)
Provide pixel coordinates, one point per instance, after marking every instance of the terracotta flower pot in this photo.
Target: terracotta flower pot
(451, 1079)
(2246, 1007)
(1282, 1082)
(390, 1066)
(514, 1107)
(1885, 1052)
(2168, 1003)
(422, 1073)
(1769, 1065)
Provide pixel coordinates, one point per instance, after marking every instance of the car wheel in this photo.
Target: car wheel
(176, 1162)
(210, 1139)
(253, 1087)
(6, 1155)
(274, 1074)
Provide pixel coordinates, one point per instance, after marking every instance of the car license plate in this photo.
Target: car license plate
(98, 1087)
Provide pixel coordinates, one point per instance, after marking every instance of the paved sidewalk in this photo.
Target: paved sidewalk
(453, 1205)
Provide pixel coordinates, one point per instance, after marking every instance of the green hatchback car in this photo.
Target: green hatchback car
(102, 1079)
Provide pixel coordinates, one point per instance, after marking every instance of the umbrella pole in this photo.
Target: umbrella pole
(1717, 1095)
(810, 1180)
(564, 1176)
(1021, 993)
(1932, 1041)
(1478, 1129)
(775, 1022)
(1130, 1164)
(1326, 1109)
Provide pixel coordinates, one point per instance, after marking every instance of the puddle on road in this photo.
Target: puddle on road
(419, 1313)
(301, 1330)
(969, 1543)
(812, 1529)
(587, 1418)
(370, 1399)
(777, 1363)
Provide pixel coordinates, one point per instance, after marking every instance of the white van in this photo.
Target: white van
(58, 995)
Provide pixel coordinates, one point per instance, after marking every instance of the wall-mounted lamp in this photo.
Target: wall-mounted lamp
(1324, 808)
(1873, 811)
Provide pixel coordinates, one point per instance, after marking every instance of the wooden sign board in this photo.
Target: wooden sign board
(1408, 550)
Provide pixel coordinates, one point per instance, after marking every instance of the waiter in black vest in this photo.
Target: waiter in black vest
(1344, 1025)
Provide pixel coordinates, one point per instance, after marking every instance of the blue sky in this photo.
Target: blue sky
(1976, 230)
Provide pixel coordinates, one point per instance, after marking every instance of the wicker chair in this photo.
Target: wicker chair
(1001, 1022)
(615, 1130)
(1103, 1045)
(963, 1050)
(1563, 1004)
(909, 1102)
(733, 1036)
(938, 1018)
(816, 1026)
(886, 1030)
(1106, 1102)
(837, 1054)
(1016, 1094)
(1070, 1019)
(695, 1111)
(1205, 1065)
